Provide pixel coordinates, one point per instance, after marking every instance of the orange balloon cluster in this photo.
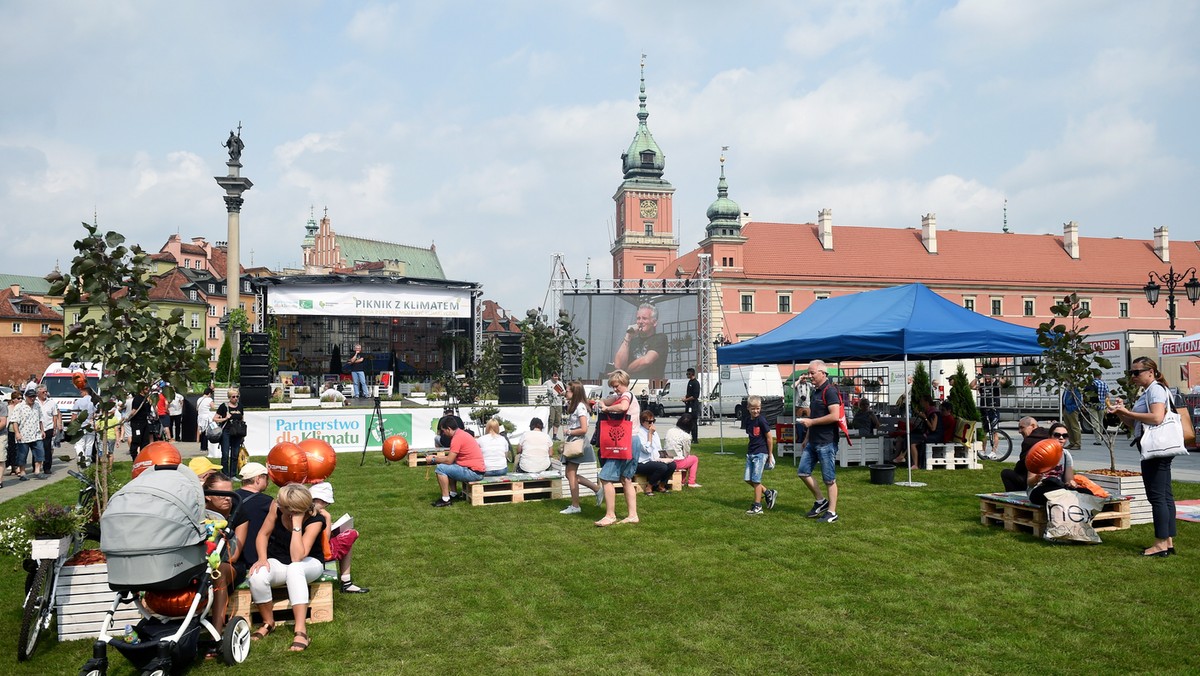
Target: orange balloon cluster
(395, 448)
(174, 603)
(157, 453)
(1044, 455)
(311, 461)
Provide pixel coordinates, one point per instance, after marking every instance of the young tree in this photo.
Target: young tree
(1070, 363)
(118, 326)
(549, 349)
(200, 374)
(962, 404)
(921, 387)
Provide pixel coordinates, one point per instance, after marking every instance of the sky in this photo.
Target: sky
(494, 130)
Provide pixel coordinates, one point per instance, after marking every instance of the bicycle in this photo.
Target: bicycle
(41, 580)
(1002, 449)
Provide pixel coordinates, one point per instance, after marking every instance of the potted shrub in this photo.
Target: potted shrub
(51, 527)
(872, 384)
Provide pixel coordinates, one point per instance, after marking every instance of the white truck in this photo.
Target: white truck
(61, 389)
(1122, 347)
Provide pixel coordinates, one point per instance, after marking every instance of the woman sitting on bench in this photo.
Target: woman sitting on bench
(495, 449)
(648, 452)
(1061, 475)
(289, 553)
(535, 449)
(678, 445)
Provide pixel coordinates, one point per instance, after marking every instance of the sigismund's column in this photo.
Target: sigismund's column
(234, 184)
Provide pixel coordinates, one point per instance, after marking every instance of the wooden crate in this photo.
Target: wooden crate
(1131, 486)
(1015, 513)
(320, 604)
(506, 492)
(82, 599)
(865, 451)
(421, 458)
(676, 482)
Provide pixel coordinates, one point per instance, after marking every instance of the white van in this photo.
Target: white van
(57, 381)
(722, 392)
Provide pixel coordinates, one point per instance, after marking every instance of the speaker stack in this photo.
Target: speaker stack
(255, 364)
(512, 385)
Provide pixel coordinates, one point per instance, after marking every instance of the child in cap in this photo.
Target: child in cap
(340, 545)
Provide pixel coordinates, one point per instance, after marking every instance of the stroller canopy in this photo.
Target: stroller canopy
(152, 532)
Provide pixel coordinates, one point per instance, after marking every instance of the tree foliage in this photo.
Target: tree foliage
(118, 325)
(200, 374)
(548, 349)
(1070, 363)
(921, 387)
(962, 404)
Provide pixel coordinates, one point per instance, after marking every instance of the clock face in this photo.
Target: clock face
(649, 209)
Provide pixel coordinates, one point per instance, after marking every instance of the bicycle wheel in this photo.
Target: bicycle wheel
(37, 609)
(1003, 446)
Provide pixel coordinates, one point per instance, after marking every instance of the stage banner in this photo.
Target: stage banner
(346, 430)
(368, 300)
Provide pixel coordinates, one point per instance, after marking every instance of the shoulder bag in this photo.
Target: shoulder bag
(616, 436)
(573, 448)
(1185, 419)
(1164, 440)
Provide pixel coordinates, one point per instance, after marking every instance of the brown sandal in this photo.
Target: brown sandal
(297, 646)
(262, 632)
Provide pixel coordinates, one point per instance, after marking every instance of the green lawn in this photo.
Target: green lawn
(908, 580)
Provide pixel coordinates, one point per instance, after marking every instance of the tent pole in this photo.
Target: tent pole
(908, 428)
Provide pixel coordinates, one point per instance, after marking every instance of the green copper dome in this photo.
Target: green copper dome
(724, 215)
(643, 159)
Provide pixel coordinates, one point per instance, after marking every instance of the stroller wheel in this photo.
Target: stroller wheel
(94, 667)
(159, 666)
(235, 641)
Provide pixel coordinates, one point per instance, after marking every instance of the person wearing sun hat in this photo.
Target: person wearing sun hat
(202, 466)
(340, 545)
(252, 512)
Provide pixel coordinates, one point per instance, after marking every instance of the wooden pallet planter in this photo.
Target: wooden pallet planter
(865, 451)
(951, 456)
(507, 492)
(1132, 486)
(320, 604)
(82, 599)
(1015, 513)
(421, 458)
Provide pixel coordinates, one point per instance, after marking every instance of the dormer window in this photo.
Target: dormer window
(647, 157)
(27, 309)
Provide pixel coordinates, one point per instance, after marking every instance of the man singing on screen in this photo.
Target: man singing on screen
(643, 351)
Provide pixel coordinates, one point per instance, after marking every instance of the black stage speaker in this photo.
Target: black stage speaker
(255, 396)
(511, 394)
(510, 362)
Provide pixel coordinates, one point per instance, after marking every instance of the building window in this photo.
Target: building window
(1085, 305)
(187, 263)
(195, 344)
(246, 287)
(45, 329)
(16, 327)
(997, 307)
(649, 229)
(785, 304)
(820, 295)
(212, 311)
(212, 288)
(648, 267)
(195, 320)
(747, 302)
(242, 307)
(1028, 307)
(969, 303)
(199, 265)
(212, 333)
(212, 354)
(193, 294)
(1123, 309)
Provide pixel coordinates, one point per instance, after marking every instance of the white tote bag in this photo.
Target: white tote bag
(1164, 440)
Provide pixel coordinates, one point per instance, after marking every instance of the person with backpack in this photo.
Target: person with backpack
(822, 425)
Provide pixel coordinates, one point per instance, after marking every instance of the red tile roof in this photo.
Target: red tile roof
(191, 249)
(163, 256)
(10, 307)
(867, 255)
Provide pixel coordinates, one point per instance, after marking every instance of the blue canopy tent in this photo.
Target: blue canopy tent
(902, 322)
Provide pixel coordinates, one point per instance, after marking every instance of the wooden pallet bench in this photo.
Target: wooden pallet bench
(1015, 512)
(83, 597)
(421, 458)
(320, 604)
(515, 487)
(951, 456)
(676, 482)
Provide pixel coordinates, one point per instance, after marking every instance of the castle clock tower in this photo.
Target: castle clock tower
(645, 244)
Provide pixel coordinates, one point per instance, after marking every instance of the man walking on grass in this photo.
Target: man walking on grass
(822, 446)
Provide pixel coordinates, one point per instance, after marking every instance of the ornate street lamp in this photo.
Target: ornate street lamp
(1171, 279)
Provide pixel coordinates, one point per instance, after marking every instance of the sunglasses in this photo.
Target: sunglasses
(1059, 436)
(1136, 372)
(652, 420)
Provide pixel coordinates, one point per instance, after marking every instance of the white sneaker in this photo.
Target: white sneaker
(571, 509)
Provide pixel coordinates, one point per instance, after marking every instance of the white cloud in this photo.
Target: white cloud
(845, 22)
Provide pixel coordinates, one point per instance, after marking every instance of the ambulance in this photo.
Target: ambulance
(57, 381)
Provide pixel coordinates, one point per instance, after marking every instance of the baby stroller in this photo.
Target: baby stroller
(155, 538)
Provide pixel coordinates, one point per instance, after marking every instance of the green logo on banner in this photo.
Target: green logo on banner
(306, 305)
(393, 423)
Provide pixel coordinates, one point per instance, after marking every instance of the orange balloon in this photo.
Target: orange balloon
(287, 463)
(395, 448)
(157, 453)
(322, 459)
(1044, 455)
(174, 603)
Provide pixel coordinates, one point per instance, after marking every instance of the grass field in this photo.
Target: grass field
(907, 581)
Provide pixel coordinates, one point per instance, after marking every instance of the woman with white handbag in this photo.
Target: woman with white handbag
(576, 450)
(1156, 442)
(204, 416)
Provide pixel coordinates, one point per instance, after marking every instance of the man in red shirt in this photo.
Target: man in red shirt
(464, 462)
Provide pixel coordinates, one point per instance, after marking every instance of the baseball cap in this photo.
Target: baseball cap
(201, 464)
(322, 491)
(31, 392)
(251, 470)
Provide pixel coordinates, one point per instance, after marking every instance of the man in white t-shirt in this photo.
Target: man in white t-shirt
(175, 410)
(51, 426)
(555, 391)
(85, 410)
